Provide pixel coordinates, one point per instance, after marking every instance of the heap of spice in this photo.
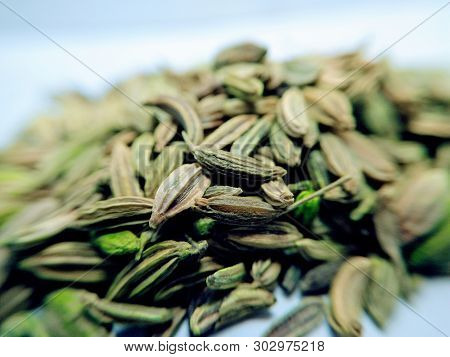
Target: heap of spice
(192, 196)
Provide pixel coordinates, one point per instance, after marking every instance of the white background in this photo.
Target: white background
(119, 39)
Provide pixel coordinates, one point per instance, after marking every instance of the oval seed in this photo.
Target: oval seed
(178, 192)
(292, 113)
(347, 296)
(302, 320)
(123, 181)
(182, 111)
(247, 143)
(226, 278)
(228, 132)
(243, 167)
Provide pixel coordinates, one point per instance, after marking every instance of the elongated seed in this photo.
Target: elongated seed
(164, 133)
(373, 161)
(382, 290)
(226, 278)
(243, 302)
(168, 160)
(142, 149)
(228, 164)
(347, 296)
(218, 190)
(245, 52)
(247, 143)
(182, 111)
(277, 193)
(265, 273)
(129, 312)
(123, 181)
(292, 113)
(178, 192)
(302, 320)
(284, 150)
(423, 203)
(237, 210)
(341, 161)
(331, 108)
(318, 279)
(231, 130)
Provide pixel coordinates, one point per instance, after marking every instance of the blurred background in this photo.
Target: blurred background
(120, 39)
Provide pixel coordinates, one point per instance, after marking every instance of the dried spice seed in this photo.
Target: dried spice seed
(237, 210)
(165, 131)
(123, 181)
(243, 88)
(247, 143)
(168, 160)
(372, 159)
(128, 312)
(242, 302)
(347, 296)
(301, 71)
(318, 279)
(291, 279)
(182, 111)
(423, 203)
(382, 290)
(300, 321)
(341, 161)
(292, 113)
(226, 278)
(142, 149)
(230, 131)
(277, 193)
(276, 235)
(331, 108)
(157, 263)
(244, 167)
(283, 149)
(218, 190)
(265, 273)
(178, 192)
(13, 300)
(188, 279)
(245, 52)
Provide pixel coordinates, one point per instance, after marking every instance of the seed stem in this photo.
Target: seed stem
(188, 141)
(318, 193)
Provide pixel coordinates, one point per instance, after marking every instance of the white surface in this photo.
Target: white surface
(213, 346)
(121, 39)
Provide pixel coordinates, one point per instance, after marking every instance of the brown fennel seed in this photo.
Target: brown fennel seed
(373, 161)
(331, 108)
(283, 148)
(228, 164)
(168, 160)
(123, 180)
(178, 192)
(299, 322)
(183, 112)
(164, 133)
(347, 296)
(277, 193)
(292, 113)
(230, 131)
(341, 161)
(247, 143)
(237, 210)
